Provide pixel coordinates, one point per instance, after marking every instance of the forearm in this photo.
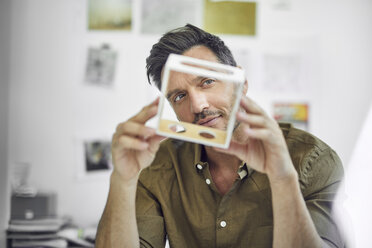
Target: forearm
(118, 225)
(293, 226)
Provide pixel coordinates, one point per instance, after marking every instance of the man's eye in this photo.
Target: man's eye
(178, 97)
(208, 82)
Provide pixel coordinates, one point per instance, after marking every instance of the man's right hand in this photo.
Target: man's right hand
(134, 145)
(133, 148)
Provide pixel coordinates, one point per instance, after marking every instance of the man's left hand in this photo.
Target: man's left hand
(263, 147)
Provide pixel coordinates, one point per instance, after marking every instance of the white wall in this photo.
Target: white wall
(50, 108)
(343, 76)
(4, 112)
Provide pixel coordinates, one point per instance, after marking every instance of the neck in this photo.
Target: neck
(221, 161)
(223, 168)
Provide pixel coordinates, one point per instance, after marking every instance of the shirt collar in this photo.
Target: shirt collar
(243, 170)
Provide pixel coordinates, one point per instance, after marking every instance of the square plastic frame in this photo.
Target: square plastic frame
(225, 73)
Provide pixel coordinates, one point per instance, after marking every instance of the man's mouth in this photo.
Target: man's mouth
(209, 121)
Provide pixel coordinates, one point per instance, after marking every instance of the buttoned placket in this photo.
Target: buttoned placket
(222, 221)
(203, 169)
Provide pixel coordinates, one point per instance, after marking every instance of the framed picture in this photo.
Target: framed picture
(93, 158)
(109, 14)
(97, 155)
(100, 66)
(230, 17)
(296, 113)
(155, 19)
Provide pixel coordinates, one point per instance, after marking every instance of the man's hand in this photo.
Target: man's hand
(134, 145)
(133, 148)
(264, 149)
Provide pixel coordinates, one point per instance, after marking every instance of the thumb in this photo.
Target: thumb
(154, 143)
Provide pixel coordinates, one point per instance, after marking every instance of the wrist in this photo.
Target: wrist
(286, 178)
(117, 180)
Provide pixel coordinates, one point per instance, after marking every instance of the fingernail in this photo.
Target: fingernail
(145, 145)
(248, 130)
(154, 101)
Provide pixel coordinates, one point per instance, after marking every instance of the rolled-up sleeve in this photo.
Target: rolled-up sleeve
(150, 219)
(320, 178)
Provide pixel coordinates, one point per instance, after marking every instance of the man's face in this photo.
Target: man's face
(200, 100)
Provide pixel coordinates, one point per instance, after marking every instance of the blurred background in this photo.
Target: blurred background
(72, 70)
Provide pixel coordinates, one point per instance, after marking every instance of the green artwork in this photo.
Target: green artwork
(110, 14)
(230, 17)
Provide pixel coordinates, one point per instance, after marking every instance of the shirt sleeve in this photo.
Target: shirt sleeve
(150, 219)
(320, 179)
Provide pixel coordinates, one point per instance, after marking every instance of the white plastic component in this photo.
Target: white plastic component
(193, 132)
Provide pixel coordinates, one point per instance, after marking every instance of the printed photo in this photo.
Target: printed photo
(97, 155)
(157, 19)
(295, 113)
(230, 17)
(101, 63)
(110, 14)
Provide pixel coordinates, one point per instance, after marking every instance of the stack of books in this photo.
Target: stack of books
(36, 233)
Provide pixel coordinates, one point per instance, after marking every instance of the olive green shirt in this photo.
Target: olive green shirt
(177, 199)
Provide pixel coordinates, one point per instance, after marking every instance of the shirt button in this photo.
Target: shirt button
(199, 166)
(208, 181)
(223, 223)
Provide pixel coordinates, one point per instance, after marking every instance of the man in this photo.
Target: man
(273, 187)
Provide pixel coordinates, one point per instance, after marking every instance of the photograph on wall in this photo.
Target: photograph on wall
(97, 155)
(101, 64)
(109, 14)
(160, 16)
(230, 17)
(281, 72)
(295, 113)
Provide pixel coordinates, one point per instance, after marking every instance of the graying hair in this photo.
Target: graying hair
(179, 41)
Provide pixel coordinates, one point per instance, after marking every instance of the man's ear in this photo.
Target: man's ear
(245, 87)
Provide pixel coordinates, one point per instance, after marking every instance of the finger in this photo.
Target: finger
(260, 133)
(147, 112)
(135, 129)
(250, 106)
(155, 102)
(154, 142)
(157, 138)
(252, 120)
(128, 142)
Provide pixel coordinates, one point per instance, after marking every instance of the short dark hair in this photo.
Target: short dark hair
(179, 41)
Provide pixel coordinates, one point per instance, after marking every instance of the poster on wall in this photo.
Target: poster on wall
(101, 64)
(295, 113)
(158, 19)
(109, 14)
(230, 17)
(97, 155)
(93, 157)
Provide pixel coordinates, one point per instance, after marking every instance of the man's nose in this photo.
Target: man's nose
(198, 102)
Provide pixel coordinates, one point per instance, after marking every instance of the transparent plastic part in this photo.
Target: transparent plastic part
(199, 100)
